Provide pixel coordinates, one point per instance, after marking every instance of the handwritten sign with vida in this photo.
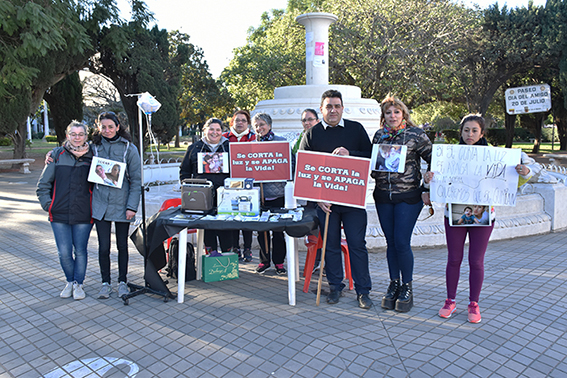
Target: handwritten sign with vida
(474, 174)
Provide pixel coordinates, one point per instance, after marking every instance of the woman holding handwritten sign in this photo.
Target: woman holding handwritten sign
(399, 198)
(479, 231)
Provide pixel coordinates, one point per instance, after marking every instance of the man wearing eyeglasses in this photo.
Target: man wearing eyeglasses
(343, 137)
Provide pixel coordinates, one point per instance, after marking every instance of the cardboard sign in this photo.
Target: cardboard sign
(212, 162)
(322, 177)
(107, 172)
(479, 175)
(262, 161)
(389, 158)
(469, 215)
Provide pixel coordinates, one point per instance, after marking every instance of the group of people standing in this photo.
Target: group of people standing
(272, 247)
(74, 204)
(399, 198)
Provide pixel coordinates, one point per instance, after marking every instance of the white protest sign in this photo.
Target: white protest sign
(530, 99)
(474, 174)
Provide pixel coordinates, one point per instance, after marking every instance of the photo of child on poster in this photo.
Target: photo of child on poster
(469, 215)
(389, 158)
(107, 172)
(212, 162)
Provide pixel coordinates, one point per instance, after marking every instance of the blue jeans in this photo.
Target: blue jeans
(397, 222)
(354, 224)
(68, 236)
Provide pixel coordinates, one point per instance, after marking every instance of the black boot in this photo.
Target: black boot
(389, 300)
(405, 299)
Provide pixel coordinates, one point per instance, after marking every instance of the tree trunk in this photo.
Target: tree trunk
(19, 140)
(510, 121)
(539, 117)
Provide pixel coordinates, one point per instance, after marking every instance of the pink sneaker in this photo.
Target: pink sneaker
(448, 308)
(474, 313)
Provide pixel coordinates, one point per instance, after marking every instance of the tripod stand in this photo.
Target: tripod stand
(153, 284)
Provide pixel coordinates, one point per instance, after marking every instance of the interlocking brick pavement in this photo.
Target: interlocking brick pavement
(245, 327)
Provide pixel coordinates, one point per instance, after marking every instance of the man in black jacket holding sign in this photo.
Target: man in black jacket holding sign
(339, 136)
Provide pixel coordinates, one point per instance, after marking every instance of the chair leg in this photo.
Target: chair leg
(309, 264)
(348, 271)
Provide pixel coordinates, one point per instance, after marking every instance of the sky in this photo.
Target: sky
(219, 26)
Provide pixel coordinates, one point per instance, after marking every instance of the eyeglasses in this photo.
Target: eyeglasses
(73, 135)
(308, 119)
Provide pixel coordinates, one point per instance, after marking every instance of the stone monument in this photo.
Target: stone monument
(289, 102)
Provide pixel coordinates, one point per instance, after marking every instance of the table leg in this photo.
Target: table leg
(181, 265)
(291, 272)
(200, 252)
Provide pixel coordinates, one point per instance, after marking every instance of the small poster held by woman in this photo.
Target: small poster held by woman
(212, 162)
(107, 172)
(469, 215)
(389, 158)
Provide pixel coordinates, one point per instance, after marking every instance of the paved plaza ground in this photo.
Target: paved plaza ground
(245, 327)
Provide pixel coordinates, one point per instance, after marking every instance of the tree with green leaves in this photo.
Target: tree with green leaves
(65, 101)
(201, 96)
(273, 56)
(41, 42)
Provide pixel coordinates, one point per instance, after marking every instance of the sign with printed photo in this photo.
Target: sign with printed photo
(262, 161)
(322, 177)
(469, 215)
(389, 158)
(212, 162)
(107, 172)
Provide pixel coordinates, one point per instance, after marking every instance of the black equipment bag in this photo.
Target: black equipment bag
(173, 253)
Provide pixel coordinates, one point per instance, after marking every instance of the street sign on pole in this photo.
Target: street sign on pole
(531, 99)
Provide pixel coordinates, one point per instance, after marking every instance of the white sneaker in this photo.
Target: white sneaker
(78, 292)
(105, 291)
(68, 291)
(123, 289)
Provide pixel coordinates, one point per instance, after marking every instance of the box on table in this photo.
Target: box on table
(238, 201)
(220, 268)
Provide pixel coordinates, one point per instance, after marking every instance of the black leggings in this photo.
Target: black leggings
(103, 232)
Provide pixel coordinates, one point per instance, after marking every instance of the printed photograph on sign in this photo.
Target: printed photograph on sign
(469, 215)
(389, 158)
(212, 162)
(107, 172)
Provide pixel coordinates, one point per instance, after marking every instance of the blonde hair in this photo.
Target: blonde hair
(390, 101)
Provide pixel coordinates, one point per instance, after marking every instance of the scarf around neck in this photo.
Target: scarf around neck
(237, 135)
(268, 137)
(390, 133)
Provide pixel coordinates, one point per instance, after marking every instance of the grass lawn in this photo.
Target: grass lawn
(544, 148)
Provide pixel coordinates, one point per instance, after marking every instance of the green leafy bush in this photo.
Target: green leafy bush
(5, 142)
(51, 138)
(547, 133)
(496, 137)
(451, 136)
(522, 135)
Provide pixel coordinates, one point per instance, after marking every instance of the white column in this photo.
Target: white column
(316, 46)
(29, 129)
(45, 120)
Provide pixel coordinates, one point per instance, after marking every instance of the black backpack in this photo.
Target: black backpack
(173, 252)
